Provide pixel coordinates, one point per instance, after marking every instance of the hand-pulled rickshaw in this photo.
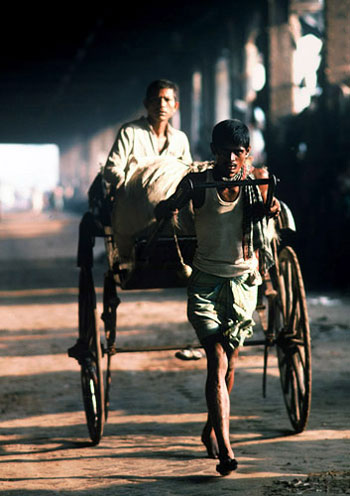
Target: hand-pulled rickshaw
(281, 304)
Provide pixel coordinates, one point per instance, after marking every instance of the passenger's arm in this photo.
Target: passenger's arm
(186, 154)
(114, 170)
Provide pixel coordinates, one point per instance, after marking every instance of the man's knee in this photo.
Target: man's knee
(216, 357)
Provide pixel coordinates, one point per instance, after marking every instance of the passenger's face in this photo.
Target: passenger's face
(230, 159)
(162, 106)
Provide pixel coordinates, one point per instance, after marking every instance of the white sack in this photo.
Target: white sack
(133, 212)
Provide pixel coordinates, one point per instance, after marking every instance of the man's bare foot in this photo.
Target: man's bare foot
(209, 441)
(227, 466)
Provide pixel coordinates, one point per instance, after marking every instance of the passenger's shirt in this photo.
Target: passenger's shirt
(137, 141)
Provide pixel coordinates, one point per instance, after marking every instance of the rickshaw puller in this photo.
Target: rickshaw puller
(232, 252)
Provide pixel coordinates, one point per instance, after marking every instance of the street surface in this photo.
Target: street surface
(151, 443)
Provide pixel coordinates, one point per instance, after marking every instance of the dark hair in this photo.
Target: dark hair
(231, 131)
(159, 84)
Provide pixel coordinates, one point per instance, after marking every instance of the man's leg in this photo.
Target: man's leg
(220, 379)
(208, 434)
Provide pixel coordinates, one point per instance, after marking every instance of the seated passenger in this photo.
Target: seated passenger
(149, 137)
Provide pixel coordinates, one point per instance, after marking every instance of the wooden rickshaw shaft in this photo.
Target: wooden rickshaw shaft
(256, 342)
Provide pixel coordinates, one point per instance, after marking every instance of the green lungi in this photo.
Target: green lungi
(222, 306)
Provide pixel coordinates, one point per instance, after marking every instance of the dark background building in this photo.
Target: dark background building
(71, 76)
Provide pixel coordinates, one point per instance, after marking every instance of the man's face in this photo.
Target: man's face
(230, 158)
(162, 106)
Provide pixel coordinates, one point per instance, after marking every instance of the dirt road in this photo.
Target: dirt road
(151, 443)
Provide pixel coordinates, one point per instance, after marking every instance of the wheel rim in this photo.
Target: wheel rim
(91, 398)
(293, 340)
(91, 367)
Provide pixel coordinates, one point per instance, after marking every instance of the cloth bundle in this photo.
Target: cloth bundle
(133, 213)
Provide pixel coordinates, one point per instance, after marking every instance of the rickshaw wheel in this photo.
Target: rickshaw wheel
(91, 366)
(293, 339)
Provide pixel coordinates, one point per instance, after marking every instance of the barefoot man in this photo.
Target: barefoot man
(232, 252)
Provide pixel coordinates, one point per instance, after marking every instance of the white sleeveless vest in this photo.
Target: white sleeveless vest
(219, 236)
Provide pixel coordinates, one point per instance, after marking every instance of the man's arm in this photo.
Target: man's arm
(114, 169)
(167, 208)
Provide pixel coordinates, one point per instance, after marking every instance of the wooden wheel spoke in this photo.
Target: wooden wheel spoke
(286, 376)
(295, 400)
(301, 355)
(299, 374)
(282, 360)
(284, 370)
(286, 381)
(293, 316)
